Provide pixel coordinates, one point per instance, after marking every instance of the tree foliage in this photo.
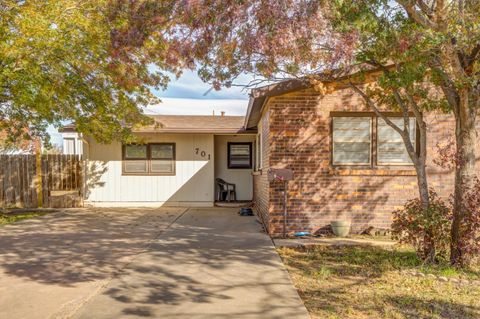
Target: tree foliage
(223, 39)
(57, 64)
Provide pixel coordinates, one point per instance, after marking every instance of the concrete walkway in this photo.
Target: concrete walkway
(148, 263)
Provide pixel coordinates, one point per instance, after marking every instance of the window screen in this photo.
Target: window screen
(69, 146)
(153, 159)
(162, 158)
(136, 166)
(136, 151)
(351, 140)
(390, 146)
(239, 155)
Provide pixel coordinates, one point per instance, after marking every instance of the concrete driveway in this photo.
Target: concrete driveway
(144, 263)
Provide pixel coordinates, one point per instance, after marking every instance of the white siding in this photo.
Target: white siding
(193, 183)
(242, 178)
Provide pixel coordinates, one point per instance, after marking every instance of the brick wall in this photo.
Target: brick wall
(300, 139)
(260, 181)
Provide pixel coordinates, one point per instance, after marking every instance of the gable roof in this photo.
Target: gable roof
(196, 124)
(220, 124)
(259, 96)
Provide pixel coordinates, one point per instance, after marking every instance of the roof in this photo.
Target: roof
(258, 96)
(67, 128)
(219, 124)
(196, 124)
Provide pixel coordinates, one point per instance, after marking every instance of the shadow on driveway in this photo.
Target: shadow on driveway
(113, 263)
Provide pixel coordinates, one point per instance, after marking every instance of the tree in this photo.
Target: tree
(388, 40)
(58, 63)
(451, 38)
(427, 52)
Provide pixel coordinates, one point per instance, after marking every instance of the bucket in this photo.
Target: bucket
(340, 228)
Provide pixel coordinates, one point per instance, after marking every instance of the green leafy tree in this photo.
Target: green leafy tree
(58, 63)
(434, 47)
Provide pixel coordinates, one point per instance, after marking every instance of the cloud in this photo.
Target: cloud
(181, 106)
(189, 95)
(190, 86)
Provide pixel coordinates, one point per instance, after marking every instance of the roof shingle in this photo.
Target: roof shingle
(195, 124)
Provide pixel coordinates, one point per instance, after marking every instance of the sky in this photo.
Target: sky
(189, 95)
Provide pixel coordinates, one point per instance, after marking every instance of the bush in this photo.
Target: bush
(428, 230)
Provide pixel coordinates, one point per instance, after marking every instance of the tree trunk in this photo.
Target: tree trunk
(465, 133)
(429, 251)
(420, 164)
(423, 185)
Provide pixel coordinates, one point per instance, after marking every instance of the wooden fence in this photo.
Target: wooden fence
(41, 181)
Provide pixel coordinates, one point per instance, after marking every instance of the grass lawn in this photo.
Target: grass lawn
(363, 282)
(14, 217)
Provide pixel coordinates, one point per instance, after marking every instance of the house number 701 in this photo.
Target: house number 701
(202, 153)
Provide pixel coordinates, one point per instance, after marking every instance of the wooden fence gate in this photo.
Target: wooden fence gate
(41, 181)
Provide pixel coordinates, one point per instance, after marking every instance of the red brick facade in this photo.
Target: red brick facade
(297, 129)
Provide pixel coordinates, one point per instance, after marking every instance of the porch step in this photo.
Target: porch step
(234, 204)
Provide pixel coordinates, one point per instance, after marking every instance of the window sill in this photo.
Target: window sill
(373, 171)
(148, 174)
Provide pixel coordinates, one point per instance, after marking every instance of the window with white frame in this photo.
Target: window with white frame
(391, 149)
(69, 145)
(352, 138)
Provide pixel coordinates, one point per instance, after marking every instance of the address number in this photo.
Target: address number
(201, 153)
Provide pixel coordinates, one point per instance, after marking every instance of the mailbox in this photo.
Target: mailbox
(280, 174)
(284, 175)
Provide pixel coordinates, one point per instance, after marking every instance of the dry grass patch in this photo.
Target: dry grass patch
(365, 282)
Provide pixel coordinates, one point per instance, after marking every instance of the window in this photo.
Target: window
(149, 159)
(352, 140)
(390, 146)
(258, 152)
(69, 145)
(239, 155)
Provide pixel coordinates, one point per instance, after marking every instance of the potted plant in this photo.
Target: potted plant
(341, 227)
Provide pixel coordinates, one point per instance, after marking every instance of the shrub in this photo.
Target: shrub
(428, 230)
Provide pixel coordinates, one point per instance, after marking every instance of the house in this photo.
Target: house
(176, 165)
(72, 142)
(347, 163)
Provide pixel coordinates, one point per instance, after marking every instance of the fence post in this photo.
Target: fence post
(38, 158)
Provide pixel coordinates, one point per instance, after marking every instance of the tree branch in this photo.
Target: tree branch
(403, 133)
(421, 125)
(447, 85)
(375, 109)
(473, 55)
(426, 9)
(416, 15)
